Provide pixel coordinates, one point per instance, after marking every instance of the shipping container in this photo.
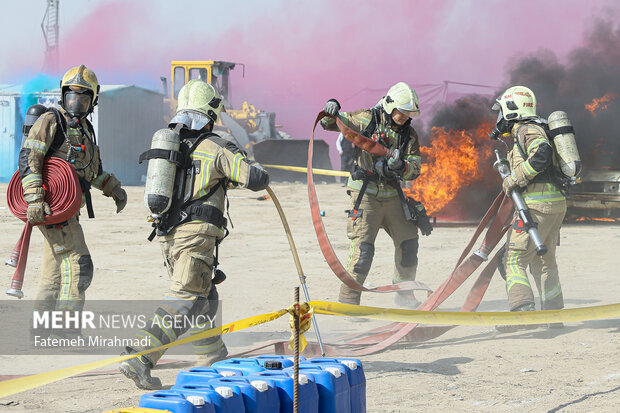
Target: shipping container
(124, 122)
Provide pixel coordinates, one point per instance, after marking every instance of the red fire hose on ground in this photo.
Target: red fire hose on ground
(495, 222)
(64, 196)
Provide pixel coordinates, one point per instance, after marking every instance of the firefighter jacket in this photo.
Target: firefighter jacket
(216, 165)
(531, 162)
(389, 135)
(75, 145)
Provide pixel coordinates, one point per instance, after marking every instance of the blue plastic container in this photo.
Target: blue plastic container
(244, 365)
(357, 381)
(308, 393)
(259, 396)
(223, 399)
(198, 375)
(287, 361)
(176, 402)
(340, 372)
(332, 385)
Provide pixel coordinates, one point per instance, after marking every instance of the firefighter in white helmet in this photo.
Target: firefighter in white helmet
(190, 231)
(532, 172)
(375, 188)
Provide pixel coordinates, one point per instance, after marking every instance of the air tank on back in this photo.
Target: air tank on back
(159, 187)
(561, 129)
(32, 114)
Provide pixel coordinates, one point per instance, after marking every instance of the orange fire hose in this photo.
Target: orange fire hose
(64, 196)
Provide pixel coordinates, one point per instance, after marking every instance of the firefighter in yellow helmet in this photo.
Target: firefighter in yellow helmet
(532, 172)
(190, 232)
(66, 133)
(375, 188)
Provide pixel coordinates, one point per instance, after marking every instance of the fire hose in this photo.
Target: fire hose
(496, 218)
(496, 222)
(64, 196)
(326, 247)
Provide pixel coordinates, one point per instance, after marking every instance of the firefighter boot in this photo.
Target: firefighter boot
(513, 328)
(138, 369)
(406, 299)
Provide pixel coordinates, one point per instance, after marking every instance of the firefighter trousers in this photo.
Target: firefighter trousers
(376, 214)
(192, 301)
(67, 269)
(521, 253)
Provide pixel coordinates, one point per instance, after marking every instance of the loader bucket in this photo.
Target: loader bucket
(293, 152)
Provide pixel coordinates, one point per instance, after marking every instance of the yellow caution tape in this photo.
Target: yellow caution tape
(466, 318)
(305, 170)
(10, 387)
(304, 312)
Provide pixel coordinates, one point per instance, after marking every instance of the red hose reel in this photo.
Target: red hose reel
(64, 196)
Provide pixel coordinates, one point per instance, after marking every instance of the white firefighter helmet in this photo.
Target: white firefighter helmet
(516, 103)
(402, 97)
(198, 104)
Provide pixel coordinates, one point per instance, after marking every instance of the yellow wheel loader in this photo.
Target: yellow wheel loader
(254, 130)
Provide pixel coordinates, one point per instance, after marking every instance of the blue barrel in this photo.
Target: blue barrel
(357, 380)
(245, 365)
(259, 396)
(176, 402)
(286, 361)
(223, 399)
(308, 393)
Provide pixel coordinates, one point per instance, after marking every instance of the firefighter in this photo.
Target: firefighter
(191, 231)
(532, 172)
(380, 197)
(65, 133)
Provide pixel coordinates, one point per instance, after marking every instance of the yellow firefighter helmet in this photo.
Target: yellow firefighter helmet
(516, 103)
(81, 77)
(402, 97)
(79, 90)
(198, 104)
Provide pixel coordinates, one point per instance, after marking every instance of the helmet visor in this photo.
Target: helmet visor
(77, 104)
(409, 113)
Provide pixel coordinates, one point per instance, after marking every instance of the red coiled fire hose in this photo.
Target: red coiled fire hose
(64, 196)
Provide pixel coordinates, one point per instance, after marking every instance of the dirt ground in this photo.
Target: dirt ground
(575, 369)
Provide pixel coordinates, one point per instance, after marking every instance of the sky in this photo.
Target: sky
(300, 53)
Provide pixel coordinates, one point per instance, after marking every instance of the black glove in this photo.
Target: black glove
(383, 169)
(331, 107)
(360, 174)
(421, 218)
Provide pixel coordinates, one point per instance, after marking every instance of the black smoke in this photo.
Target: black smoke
(589, 72)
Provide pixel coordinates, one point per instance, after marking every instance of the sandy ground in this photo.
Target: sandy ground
(467, 369)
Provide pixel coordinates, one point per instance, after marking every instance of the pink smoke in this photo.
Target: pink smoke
(299, 54)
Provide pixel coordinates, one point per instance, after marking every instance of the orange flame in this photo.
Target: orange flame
(452, 162)
(600, 103)
(588, 219)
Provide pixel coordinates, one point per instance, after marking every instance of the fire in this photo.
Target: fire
(588, 219)
(452, 162)
(600, 103)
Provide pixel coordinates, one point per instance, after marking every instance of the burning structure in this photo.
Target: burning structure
(457, 181)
